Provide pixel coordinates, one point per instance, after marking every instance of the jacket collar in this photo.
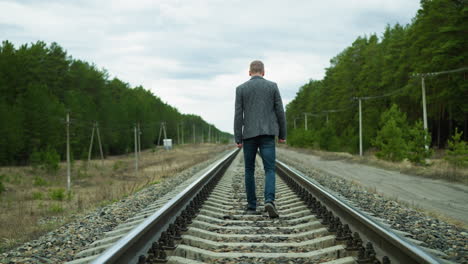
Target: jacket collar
(256, 77)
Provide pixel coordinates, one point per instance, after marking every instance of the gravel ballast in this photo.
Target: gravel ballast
(64, 243)
(448, 241)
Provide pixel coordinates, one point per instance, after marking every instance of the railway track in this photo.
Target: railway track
(206, 223)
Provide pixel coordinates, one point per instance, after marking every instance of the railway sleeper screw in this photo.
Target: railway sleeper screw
(313, 205)
(335, 225)
(331, 218)
(184, 224)
(361, 259)
(191, 212)
(178, 221)
(162, 257)
(345, 235)
(346, 230)
(177, 234)
(316, 209)
(300, 191)
(321, 212)
(187, 221)
(181, 224)
(370, 252)
(170, 242)
(340, 235)
(326, 218)
(354, 243)
(157, 254)
(166, 241)
(162, 240)
(367, 255)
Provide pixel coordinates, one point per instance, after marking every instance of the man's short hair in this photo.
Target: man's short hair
(256, 66)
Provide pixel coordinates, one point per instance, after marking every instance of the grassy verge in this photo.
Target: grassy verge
(438, 168)
(34, 202)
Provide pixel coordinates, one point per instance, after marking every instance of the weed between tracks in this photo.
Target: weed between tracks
(34, 202)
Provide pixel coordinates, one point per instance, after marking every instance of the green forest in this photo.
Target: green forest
(385, 72)
(40, 84)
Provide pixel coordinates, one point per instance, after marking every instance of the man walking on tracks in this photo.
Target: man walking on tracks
(259, 117)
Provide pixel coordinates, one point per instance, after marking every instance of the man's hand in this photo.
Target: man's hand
(282, 140)
(239, 145)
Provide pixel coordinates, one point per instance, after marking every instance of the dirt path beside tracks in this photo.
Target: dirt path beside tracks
(438, 196)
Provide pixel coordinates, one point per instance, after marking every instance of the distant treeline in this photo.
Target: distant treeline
(39, 84)
(384, 67)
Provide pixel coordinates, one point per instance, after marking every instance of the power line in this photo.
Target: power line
(379, 96)
(427, 74)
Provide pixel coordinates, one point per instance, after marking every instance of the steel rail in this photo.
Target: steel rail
(136, 243)
(386, 242)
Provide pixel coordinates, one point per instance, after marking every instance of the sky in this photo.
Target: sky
(193, 54)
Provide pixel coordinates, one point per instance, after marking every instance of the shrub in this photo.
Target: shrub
(419, 139)
(51, 160)
(302, 138)
(36, 158)
(37, 196)
(118, 165)
(327, 138)
(390, 138)
(39, 181)
(457, 153)
(56, 208)
(57, 194)
(47, 160)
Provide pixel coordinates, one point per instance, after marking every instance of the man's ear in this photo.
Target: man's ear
(250, 73)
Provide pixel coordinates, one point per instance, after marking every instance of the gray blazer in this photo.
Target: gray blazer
(259, 110)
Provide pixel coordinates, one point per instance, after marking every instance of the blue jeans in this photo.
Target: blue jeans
(266, 145)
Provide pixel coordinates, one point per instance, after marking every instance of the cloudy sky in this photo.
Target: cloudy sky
(193, 54)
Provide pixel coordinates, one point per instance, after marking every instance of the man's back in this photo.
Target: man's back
(259, 110)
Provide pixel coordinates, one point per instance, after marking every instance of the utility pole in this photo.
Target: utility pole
(182, 125)
(136, 150)
(91, 144)
(193, 125)
(164, 130)
(160, 132)
(178, 134)
(100, 144)
(139, 140)
(360, 128)
(327, 117)
(209, 133)
(295, 123)
(423, 88)
(68, 153)
(305, 121)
